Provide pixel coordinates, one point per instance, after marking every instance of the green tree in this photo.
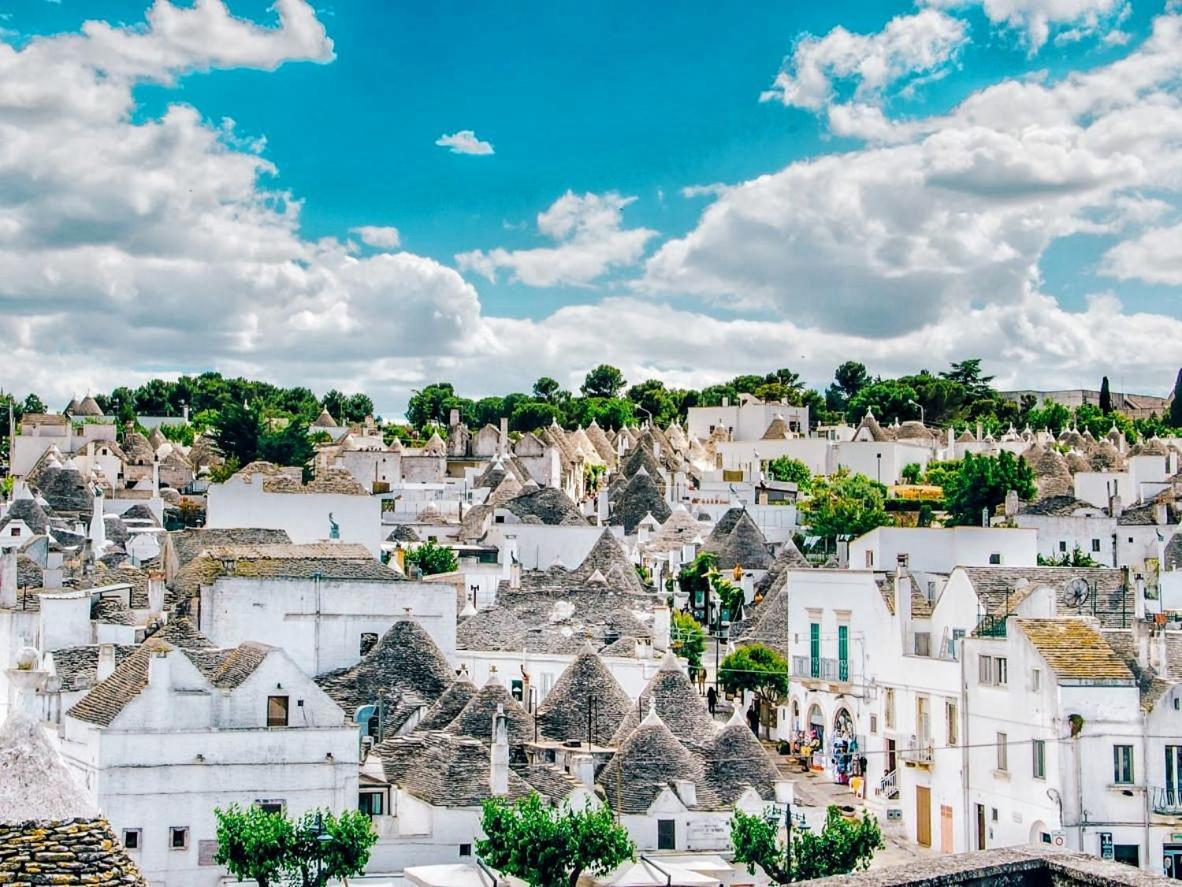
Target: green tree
(841, 847)
(912, 472)
(489, 410)
(548, 846)
(548, 390)
(238, 432)
(181, 433)
(432, 558)
(257, 845)
(289, 445)
(430, 404)
(849, 378)
(532, 415)
(330, 848)
(757, 669)
(790, 470)
(603, 381)
(982, 483)
(844, 504)
(888, 399)
(254, 844)
(654, 400)
(689, 639)
(610, 413)
(1105, 396)
(968, 373)
(1176, 403)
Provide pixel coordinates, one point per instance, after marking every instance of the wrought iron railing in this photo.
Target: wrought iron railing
(1167, 801)
(820, 668)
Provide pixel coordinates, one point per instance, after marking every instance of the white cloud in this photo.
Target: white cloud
(591, 240)
(464, 142)
(380, 237)
(1154, 256)
(957, 215)
(1037, 18)
(922, 43)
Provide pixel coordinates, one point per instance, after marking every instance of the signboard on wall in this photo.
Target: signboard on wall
(1106, 845)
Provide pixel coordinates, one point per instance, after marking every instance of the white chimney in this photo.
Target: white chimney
(8, 595)
(98, 527)
(453, 417)
(155, 592)
(106, 661)
(582, 768)
(498, 773)
(158, 669)
(687, 790)
(503, 443)
(661, 619)
(515, 574)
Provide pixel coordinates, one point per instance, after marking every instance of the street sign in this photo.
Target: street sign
(1106, 845)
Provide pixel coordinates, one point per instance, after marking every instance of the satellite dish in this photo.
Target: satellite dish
(1077, 591)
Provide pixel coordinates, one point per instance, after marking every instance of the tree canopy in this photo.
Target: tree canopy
(757, 669)
(844, 504)
(432, 558)
(258, 845)
(548, 846)
(842, 846)
(603, 381)
(980, 483)
(790, 470)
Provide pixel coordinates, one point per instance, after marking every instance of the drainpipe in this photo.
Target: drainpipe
(965, 739)
(1145, 778)
(316, 630)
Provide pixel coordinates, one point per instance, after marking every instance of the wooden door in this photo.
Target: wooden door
(980, 826)
(923, 815)
(946, 841)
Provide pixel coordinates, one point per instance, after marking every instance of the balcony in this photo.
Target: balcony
(918, 752)
(820, 669)
(1166, 801)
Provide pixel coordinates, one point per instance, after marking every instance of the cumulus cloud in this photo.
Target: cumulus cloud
(377, 236)
(956, 215)
(909, 45)
(464, 142)
(1154, 256)
(1036, 19)
(590, 237)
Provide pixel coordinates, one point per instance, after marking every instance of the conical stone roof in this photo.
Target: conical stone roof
(789, 558)
(677, 704)
(744, 546)
(738, 761)
(35, 783)
(640, 496)
(447, 707)
(649, 760)
(405, 658)
(585, 687)
(475, 719)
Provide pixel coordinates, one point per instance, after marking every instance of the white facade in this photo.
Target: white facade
(181, 748)
(940, 549)
(746, 420)
(242, 502)
(320, 622)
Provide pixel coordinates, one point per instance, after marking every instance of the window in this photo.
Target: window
(1095, 545)
(992, 671)
(1035, 679)
(15, 531)
(1129, 854)
(368, 640)
(276, 711)
(1062, 544)
(888, 705)
(465, 850)
(952, 722)
(1039, 754)
(923, 643)
(995, 557)
(870, 558)
(272, 806)
(1122, 764)
(993, 814)
(901, 559)
(666, 834)
(132, 838)
(1003, 756)
(178, 837)
(814, 649)
(843, 652)
(1045, 837)
(874, 723)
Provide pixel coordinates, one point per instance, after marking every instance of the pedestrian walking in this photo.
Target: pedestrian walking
(711, 700)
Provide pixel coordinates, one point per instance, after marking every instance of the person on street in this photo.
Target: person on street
(711, 700)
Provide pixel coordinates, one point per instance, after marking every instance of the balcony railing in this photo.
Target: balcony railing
(888, 786)
(1167, 801)
(822, 668)
(918, 751)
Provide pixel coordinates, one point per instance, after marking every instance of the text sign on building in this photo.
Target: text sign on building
(1106, 845)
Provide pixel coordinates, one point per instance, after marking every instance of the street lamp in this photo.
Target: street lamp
(323, 839)
(878, 456)
(916, 403)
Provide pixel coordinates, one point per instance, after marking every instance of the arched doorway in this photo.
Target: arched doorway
(816, 724)
(795, 714)
(843, 723)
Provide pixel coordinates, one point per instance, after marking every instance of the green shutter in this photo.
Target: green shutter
(843, 652)
(815, 649)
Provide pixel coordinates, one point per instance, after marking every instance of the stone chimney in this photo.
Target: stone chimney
(106, 661)
(1011, 503)
(687, 790)
(661, 623)
(582, 768)
(8, 595)
(453, 417)
(98, 527)
(1115, 508)
(515, 574)
(503, 443)
(156, 591)
(843, 553)
(25, 680)
(498, 771)
(1161, 514)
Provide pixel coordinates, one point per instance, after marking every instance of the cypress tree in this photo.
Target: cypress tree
(1176, 406)
(1105, 396)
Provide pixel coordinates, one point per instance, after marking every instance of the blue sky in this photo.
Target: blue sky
(627, 100)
